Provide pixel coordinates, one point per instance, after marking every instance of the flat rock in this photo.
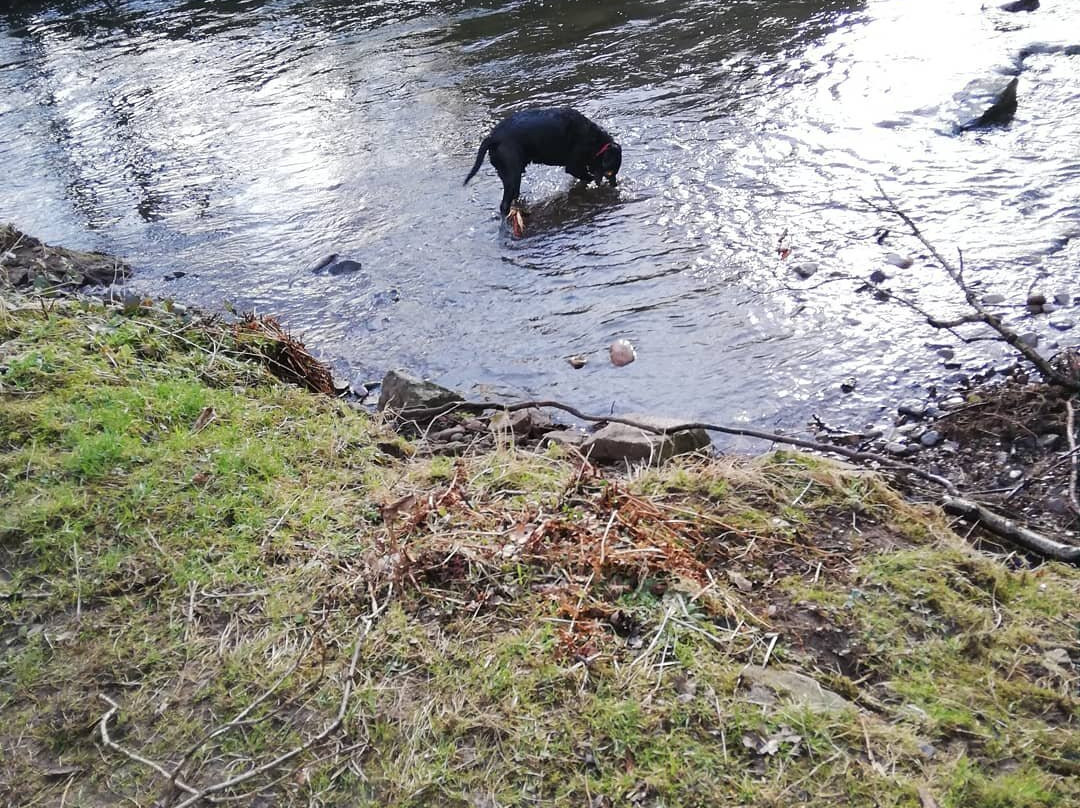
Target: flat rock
(913, 408)
(619, 442)
(401, 390)
(563, 437)
(930, 438)
(522, 423)
(797, 687)
(25, 261)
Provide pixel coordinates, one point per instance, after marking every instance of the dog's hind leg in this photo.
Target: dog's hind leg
(510, 167)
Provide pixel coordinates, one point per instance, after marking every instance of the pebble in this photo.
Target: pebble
(1036, 299)
(953, 402)
(1062, 298)
(900, 261)
(878, 276)
(1030, 338)
(621, 353)
(1049, 440)
(1014, 474)
(848, 385)
(1058, 505)
(913, 408)
(1049, 308)
(950, 446)
(577, 362)
(1061, 324)
(1026, 443)
(993, 300)
(807, 269)
(896, 447)
(930, 437)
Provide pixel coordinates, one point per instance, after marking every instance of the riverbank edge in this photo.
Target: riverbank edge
(186, 529)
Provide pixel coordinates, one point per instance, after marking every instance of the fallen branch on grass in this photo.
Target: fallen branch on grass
(193, 795)
(1007, 529)
(1000, 526)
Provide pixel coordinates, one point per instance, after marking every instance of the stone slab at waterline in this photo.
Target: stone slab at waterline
(27, 262)
(402, 390)
(617, 443)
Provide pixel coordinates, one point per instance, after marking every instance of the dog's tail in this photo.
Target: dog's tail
(484, 146)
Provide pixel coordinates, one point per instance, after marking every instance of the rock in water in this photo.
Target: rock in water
(1001, 111)
(402, 390)
(622, 353)
(334, 264)
(1021, 5)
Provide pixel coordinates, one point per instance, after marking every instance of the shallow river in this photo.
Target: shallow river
(239, 141)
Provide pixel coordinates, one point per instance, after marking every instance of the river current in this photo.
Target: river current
(225, 146)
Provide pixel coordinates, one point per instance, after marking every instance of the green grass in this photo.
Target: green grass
(181, 572)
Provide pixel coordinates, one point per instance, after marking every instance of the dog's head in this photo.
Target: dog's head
(606, 163)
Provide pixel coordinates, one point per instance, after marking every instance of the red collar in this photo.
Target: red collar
(604, 148)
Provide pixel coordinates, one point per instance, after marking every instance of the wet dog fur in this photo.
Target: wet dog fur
(554, 137)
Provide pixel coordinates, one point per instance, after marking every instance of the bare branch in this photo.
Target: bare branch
(1017, 534)
(103, 725)
(1070, 433)
(956, 273)
(330, 728)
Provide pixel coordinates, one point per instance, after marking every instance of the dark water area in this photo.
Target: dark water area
(238, 142)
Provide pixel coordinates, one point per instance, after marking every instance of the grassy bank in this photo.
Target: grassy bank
(234, 562)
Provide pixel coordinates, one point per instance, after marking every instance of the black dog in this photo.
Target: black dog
(553, 137)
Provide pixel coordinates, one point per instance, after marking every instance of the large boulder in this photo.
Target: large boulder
(616, 443)
(402, 390)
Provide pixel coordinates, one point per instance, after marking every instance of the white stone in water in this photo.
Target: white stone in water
(622, 353)
(900, 261)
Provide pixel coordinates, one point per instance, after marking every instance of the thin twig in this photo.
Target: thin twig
(103, 726)
(956, 274)
(330, 728)
(1070, 433)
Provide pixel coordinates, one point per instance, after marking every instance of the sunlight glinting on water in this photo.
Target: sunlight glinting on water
(240, 144)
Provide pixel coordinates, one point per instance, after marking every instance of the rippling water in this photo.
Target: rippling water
(239, 141)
